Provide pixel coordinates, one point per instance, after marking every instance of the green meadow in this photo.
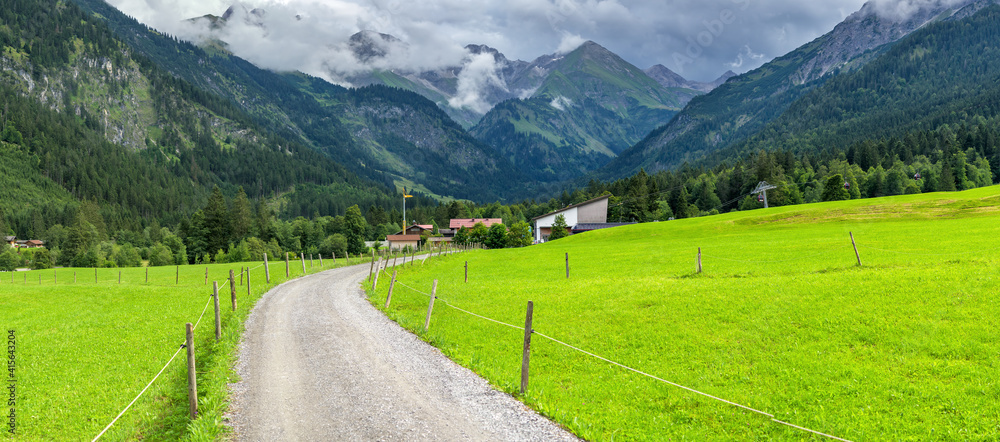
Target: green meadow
(782, 320)
(85, 349)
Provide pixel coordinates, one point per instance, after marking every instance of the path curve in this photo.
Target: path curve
(318, 362)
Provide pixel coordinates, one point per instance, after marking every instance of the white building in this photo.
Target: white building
(594, 211)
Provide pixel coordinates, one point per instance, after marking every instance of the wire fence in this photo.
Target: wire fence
(226, 283)
(615, 363)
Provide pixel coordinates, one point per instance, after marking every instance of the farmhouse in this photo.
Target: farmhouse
(471, 222)
(409, 236)
(11, 241)
(594, 211)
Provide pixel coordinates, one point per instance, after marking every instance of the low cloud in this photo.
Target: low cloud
(561, 103)
(902, 10)
(569, 43)
(312, 35)
(745, 56)
(480, 73)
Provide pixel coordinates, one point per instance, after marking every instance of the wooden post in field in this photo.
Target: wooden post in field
(177, 276)
(74, 278)
(302, 255)
(430, 307)
(377, 271)
(526, 355)
(286, 264)
(466, 271)
(95, 275)
(698, 269)
(119, 276)
(267, 270)
(371, 268)
(147, 275)
(334, 256)
(391, 285)
(856, 254)
(232, 288)
(567, 265)
(320, 260)
(206, 275)
(248, 282)
(192, 379)
(241, 274)
(218, 315)
(310, 260)
(348, 257)
(395, 256)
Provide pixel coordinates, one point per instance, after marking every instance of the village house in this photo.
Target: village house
(409, 236)
(11, 241)
(583, 217)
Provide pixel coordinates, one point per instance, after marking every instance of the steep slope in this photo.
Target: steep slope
(107, 125)
(671, 79)
(743, 105)
(590, 106)
(945, 73)
(291, 109)
(412, 138)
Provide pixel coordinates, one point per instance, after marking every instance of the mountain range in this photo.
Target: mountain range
(187, 117)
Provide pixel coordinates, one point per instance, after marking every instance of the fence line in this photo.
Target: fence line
(533, 331)
(154, 377)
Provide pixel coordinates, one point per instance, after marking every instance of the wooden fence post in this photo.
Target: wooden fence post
(267, 270)
(232, 288)
(302, 255)
(334, 256)
(526, 355)
(320, 260)
(286, 265)
(218, 316)
(466, 271)
(310, 260)
(241, 274)
(698, 269)
(377, 271)
(177, 277)
(95, 276)
(856, 254)
(391, 285)
(371, 268)
(567, 265)
(119, 276)
(206, 275)
(192, 379)
(74, 278)
(248, 282)
(430, 307)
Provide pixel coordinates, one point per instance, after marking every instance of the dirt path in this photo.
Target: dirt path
(318, 362)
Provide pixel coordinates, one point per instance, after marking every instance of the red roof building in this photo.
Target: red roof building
(469, 223)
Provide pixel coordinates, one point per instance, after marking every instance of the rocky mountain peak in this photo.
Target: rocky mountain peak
(369, 45)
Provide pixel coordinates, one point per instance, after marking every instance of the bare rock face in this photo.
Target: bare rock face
(370, 45)
(671, 79)
(879, 22)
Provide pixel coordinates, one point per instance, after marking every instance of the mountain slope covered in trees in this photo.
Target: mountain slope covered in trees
(323, 117)
(744, 105)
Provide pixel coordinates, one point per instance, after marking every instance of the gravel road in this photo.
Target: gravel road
(318, 362)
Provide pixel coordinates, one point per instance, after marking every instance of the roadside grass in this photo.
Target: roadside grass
(86, 349)
(781, 320)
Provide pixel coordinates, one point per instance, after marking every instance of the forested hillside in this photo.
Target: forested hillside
(326, 118)
(70, 88)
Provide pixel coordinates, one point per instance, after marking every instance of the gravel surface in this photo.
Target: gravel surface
(318, 362)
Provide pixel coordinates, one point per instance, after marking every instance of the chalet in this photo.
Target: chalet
(594, 211)
(471, 222)
(409, 236)
(11, 241)
(34, 244)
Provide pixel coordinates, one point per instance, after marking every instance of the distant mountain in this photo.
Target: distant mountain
(671, 79)
(588, 106)
(335, 120)
(744, 105)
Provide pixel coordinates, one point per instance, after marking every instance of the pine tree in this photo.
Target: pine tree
(218, 227)
(559, 228)
(241, 216)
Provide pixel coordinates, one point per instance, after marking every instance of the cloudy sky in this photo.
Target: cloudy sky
(697, 39)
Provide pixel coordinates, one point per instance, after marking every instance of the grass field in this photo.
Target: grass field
(906, 347)
(86, 349)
